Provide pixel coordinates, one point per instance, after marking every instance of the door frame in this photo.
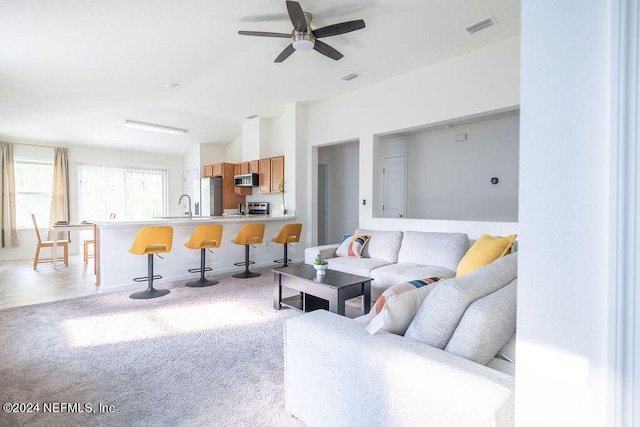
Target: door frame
(384, 180)
(326, 166)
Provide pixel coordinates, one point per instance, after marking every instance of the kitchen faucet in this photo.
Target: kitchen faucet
(189, 199)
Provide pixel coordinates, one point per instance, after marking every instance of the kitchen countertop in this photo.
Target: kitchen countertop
(185, 220)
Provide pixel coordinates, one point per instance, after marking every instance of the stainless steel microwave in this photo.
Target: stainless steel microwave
(246, 180)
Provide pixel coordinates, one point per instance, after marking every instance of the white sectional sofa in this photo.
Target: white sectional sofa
(391, 257)
(451, 367)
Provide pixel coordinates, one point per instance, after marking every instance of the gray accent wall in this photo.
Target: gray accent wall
(451, 180)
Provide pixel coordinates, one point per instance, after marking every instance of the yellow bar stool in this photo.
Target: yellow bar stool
(204, 237)
(151, 241)
(290, 233)
(249, 234)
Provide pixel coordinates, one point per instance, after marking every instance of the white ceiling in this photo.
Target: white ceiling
(72, 71)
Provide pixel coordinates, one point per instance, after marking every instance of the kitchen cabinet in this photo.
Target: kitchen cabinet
(264, 167)
(271, 172)
(230, 199)
(277, 173)
(217, 169)
(254, 166)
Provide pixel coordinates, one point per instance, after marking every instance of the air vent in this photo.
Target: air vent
(251, 116)
(487, 22)
(350, 76)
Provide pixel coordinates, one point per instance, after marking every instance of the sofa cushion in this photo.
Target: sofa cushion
(486, 326)
(396, 289)
(352, 245)
(388, 275)
(399, 311)
(382, 244)
(433, 249)
(484, 251)
(439, 316)
(357, 266)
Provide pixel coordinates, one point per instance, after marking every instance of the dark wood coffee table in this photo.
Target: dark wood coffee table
(328, 291)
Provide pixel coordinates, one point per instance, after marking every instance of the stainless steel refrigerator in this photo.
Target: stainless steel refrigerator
(207, 198)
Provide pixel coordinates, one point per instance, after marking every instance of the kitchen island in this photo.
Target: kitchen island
(115, 266)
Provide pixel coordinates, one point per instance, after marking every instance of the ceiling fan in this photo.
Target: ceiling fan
(304, 38)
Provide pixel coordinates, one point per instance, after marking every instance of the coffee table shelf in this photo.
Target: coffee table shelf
(329, 291)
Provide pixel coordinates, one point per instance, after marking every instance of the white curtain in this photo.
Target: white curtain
(8, 212)
(60, 192)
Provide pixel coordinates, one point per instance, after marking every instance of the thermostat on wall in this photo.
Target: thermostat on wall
(461, 137)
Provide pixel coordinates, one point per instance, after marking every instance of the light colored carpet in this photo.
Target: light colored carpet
(209, 356)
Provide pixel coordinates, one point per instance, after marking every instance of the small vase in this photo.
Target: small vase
(283, 208)
(320, 269)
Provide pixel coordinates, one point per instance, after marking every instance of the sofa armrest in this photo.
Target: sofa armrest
(337, 374)
(326, 251)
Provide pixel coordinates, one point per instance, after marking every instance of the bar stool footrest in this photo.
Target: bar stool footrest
(243, 263)
(198, 270)
(146, 278)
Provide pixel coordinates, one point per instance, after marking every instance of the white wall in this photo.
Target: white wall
(485, 80)
(343, 188)
(564, 288)
(76, 153)
(452, 180)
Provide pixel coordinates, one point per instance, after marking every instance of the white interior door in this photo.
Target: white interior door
(394, 186)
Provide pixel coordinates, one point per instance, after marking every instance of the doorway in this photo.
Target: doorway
(338, 171)
(323, 203)
(394, 182)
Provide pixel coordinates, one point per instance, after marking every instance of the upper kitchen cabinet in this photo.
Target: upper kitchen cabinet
(264, 166)
(213, 170)
(271, 172)
(277, 172)
(254, 166)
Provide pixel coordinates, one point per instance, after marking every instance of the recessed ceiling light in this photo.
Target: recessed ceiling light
(154, 128)
(481, 25)
(350, 76)
(171, 85)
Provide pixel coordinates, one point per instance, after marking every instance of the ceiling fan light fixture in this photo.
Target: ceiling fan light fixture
(303, 41)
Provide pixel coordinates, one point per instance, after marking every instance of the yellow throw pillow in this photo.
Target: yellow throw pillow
(484, 251)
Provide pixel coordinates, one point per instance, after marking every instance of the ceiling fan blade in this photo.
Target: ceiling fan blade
(264, 34)
(327, 50)
(341, 28)
(297, 16)
(285, 53)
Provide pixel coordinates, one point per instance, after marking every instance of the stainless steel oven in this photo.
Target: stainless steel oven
(258, 208)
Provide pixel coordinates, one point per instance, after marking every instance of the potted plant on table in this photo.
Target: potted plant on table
(320, 264)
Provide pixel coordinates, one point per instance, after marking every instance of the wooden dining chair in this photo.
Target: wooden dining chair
(48, 244)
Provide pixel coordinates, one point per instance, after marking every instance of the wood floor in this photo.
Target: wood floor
(20, 285)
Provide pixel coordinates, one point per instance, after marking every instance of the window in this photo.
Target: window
(34, 180)
(129, 192)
